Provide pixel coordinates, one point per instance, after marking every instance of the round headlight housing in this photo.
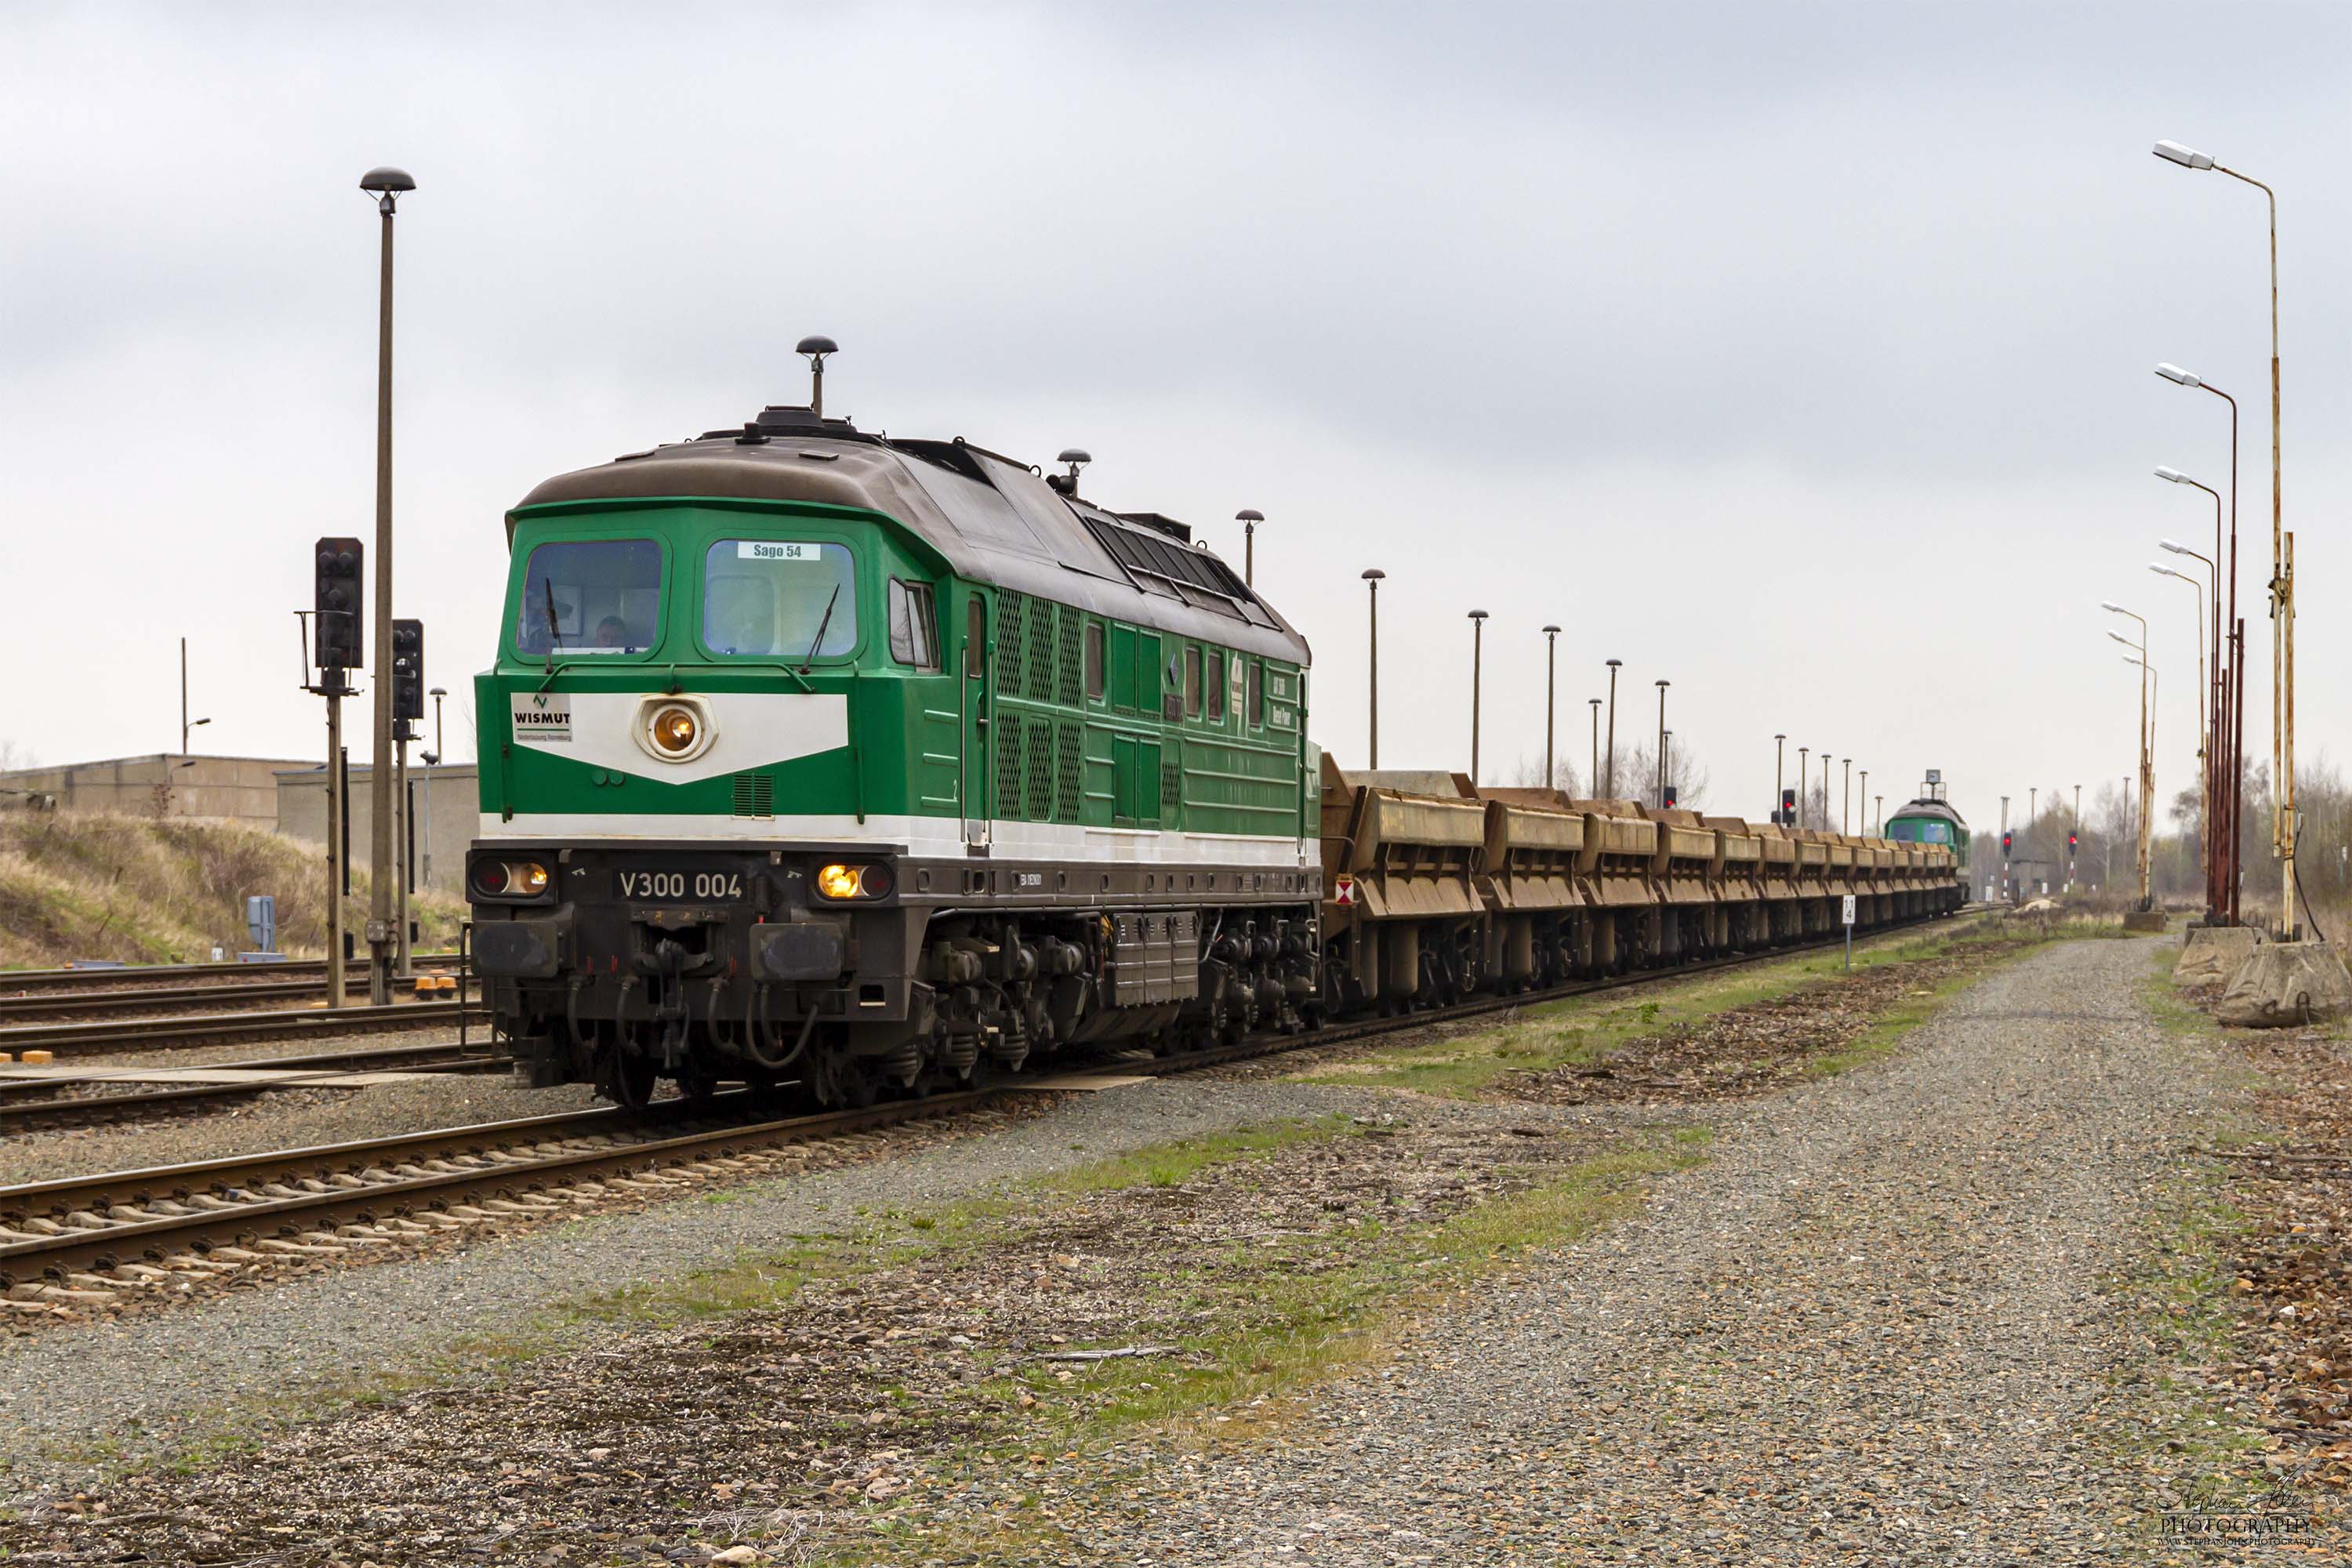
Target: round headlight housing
(675, 729)
(837, 881)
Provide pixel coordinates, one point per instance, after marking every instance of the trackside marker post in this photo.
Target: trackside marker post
(1849, 933)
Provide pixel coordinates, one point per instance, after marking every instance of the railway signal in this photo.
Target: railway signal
(335, 597)
(337, 601)
(2005, 839)
(1787, 816)
(408, 677)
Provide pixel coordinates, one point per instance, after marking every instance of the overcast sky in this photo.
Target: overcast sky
(1797, 354)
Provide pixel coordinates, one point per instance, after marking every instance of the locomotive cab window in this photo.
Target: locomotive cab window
(1257, 694)
(1093, 661)
(1191, 683)
(975, 638)
(1214, 683)
(779, 599)
(590, 596)
(912, 641)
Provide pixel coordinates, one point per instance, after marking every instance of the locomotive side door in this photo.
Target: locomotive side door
(978, 708)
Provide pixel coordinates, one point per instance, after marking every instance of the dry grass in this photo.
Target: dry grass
(141, 892)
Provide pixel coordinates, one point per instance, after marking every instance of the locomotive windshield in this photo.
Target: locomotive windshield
(774, 598)
(590, 597)
(1918, 830)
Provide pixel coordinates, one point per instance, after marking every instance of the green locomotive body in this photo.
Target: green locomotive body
(811, 755)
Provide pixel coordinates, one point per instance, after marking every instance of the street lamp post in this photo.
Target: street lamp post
(1610, 792)
(1662, 742)
(1551, 685)
(1845, 802)
(1866, 803)
(1803, 754)
(1249, 517)
(1779, 757)
(186, 724)
(386, 185)
(2219, 876)
(1477, 660)
(432, 761)
(1372, 576)
(1666, 766)
(1879, 827)
(1593, 780)
(2233, 635)
(2204, 736)
(2146, 768)
(2282, 573)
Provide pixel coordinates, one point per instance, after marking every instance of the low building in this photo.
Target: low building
(445, 805)
(175, 785)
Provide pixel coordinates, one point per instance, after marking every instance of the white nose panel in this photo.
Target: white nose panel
(752, 730)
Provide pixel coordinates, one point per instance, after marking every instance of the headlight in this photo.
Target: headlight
(675, 729)
(509, 879)
(855, 881)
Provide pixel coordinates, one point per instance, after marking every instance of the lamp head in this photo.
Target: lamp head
(2122, 639)
(438, 691)
(2174, 475)
(387, 182)
(2178, 549)
(2163, 571)
(2111, 604)
(2187, 157)
(1477, 614)
(1614, 663)
(2173, 372)
(1249, 514)
(1374, 574)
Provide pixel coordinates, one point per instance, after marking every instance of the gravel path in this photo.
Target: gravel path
(146, 1386)
(1869, 1329)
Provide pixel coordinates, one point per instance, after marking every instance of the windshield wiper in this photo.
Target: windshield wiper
(554, 635)
(821, 626)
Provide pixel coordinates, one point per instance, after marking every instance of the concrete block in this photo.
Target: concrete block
(2287, 982)
(2143, 920)
(2212, 954)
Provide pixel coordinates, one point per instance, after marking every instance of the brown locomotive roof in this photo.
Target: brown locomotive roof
(991, 518)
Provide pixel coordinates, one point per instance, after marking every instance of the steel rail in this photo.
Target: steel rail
(36, 1100)
(211, 1028)
(24, 982)
(149, 1000)
(67, 1225)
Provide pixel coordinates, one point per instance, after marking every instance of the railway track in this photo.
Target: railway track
(16, 982)
(94, 1038)
(79, 1239)
(34, 1102)
(147, 1000)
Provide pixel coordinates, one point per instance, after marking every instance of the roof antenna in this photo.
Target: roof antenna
(1078, 458)
(816, 348)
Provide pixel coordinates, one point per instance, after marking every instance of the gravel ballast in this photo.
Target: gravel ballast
(73, 1401)
(1870, 1329)
(1876, 1325)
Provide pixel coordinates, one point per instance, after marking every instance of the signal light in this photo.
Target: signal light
(408, 673)
(2070, 844)
(335, 600)
(2004, 844)
(1670, 796)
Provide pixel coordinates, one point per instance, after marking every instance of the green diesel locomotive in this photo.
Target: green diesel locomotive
(865, 763)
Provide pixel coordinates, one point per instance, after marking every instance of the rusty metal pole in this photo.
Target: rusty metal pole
(1779, 758)
(1804, 780)
(1372, 576)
